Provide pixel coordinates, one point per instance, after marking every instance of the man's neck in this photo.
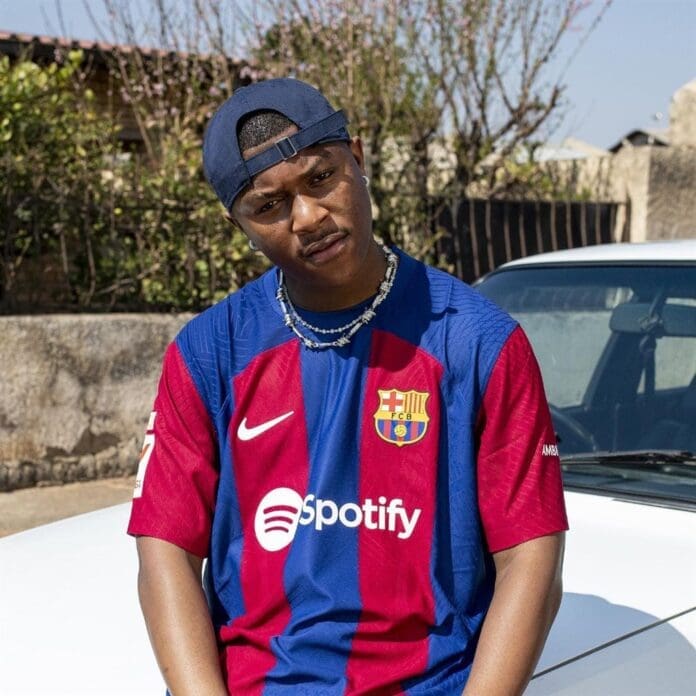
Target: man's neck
(322, 298)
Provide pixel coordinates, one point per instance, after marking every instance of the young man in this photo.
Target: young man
(355, 442)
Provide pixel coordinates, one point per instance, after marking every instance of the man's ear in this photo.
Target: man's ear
(356, 148)
(233, 221)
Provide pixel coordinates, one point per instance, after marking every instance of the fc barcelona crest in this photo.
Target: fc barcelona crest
(401, 417)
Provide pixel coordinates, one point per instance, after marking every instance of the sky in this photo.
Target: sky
(621, 78)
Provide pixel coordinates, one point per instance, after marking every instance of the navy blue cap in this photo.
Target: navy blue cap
(317, 122)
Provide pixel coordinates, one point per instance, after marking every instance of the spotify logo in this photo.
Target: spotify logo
(276, 518)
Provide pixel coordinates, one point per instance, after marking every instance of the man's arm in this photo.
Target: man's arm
(525, 601)
(177, 618)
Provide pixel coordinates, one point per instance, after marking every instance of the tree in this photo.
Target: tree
(463, 81)
(491, 60)
(358, 54)
(444, 93)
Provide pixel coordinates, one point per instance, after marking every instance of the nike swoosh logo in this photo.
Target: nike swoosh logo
(244, 433)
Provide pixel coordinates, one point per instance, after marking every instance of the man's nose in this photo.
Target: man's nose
(307, 214)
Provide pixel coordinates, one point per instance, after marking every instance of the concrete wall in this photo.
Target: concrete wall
(682, 116)
(629, 177)
(671, 212)
(75, 394)
(659, 182)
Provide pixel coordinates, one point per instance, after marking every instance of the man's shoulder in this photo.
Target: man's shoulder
(451, 298)
(221, 318)
(217, 343)
(463, 328)
(227, 335)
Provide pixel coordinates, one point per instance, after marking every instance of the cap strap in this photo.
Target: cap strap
(288, 147)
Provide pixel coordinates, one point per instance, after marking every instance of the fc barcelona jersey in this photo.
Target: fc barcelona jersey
(349, 500)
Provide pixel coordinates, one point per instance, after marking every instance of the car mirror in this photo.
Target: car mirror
(635, 318)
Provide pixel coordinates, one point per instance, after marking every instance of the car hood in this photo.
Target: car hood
(628, 566)
(69, 616)
(69, 600)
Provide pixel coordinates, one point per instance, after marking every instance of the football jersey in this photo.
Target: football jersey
(349, 500)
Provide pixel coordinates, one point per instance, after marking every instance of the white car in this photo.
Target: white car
(614, 328)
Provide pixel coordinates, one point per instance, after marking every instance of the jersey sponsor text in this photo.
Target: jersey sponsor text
(281, 511)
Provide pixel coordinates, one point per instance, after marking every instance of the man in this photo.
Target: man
(355, 442)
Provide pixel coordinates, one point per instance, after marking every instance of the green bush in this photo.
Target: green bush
(89, 227)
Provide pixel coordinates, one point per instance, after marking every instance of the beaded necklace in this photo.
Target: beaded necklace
(293, 320)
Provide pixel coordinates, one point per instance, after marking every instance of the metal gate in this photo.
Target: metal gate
(482, 234)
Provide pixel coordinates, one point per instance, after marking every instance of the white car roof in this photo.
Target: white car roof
(673, 250)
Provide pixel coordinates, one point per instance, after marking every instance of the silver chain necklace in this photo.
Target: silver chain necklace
(293, 320)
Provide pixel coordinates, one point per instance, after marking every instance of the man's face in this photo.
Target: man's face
(311, 214)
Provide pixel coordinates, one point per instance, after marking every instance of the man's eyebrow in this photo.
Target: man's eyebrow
(320, 160)
(261, 195)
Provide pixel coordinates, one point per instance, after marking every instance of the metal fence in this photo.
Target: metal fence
(481, 234)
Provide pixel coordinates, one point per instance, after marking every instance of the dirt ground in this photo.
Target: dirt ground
(31, 507)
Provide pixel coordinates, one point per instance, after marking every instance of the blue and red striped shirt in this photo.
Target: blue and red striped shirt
(349, 500)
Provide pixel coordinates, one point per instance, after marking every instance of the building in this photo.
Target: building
(654, 170)
(102, 63)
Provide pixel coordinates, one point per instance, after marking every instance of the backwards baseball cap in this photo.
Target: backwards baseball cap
(317, 122)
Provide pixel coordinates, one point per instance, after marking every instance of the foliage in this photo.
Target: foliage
(87, 225)
(52, 145)
(444, 94)
(188, 256)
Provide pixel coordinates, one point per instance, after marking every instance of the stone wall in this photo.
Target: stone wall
(75, 394)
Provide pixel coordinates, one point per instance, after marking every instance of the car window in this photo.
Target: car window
(675, 357)
(597, 331)
(675, 363)
(567, 358)
(568, 326)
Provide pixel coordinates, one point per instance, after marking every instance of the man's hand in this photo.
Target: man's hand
(177, 618)
(525, 601)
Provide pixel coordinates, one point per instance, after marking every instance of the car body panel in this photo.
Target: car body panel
(610, 588)
(657, 662)
(70, 623)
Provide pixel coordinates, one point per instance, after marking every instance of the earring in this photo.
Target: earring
(366, 179)
(253, 246)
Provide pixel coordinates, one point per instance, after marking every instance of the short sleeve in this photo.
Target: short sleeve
(520, 489)
(178, 472)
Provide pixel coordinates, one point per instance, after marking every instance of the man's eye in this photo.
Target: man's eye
(322, 176)
(269, 205)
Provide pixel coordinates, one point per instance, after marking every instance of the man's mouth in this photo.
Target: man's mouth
(314, 250)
